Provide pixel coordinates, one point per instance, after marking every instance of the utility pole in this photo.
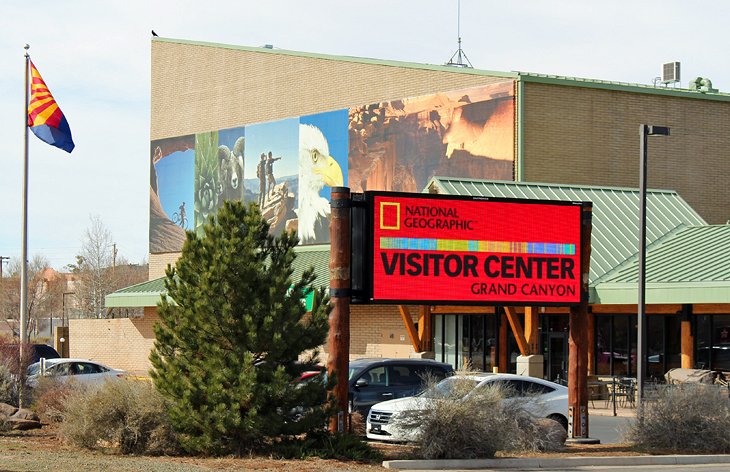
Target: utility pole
(3, 260)
(114, 255)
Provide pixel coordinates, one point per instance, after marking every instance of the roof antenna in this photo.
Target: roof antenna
(459, 58)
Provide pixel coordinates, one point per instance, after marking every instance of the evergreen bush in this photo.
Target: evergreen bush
(232, 329)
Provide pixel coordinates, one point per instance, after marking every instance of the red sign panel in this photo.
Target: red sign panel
(430, 249)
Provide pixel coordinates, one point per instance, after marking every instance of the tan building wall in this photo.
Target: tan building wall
(158, 263)
(126, 343)
(573, 135)
(576, 135)
(200, 87)
(122, 343)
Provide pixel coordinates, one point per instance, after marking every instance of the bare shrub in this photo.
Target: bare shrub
(462, 422)
(8, 391)
(124, 416)
(49, 398)
(691, 418)
(357, 424)
(14, 375)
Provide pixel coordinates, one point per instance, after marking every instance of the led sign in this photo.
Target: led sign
(437, 249)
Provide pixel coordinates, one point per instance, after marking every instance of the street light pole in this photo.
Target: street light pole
(644, 131)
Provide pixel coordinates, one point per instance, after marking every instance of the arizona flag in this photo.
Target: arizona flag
(45, 119)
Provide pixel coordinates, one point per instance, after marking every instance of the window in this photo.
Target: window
(376, 376)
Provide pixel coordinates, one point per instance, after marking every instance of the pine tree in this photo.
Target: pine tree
(231, 331)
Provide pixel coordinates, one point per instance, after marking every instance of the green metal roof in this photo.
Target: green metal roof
(148, 293)
(622, 86)
(144, 294)
(313, 256)
(614, 237)
(691, 265)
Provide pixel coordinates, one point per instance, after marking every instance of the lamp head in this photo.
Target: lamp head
(657, 130)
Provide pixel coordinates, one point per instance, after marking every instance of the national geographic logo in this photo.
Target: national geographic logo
(390, 215)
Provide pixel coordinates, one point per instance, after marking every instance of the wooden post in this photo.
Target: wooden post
(578, 341)
(517, 331)
(532, 333)
(405, 314)
(424, 328)
(688, 358)
(591, 344)
(339, 320)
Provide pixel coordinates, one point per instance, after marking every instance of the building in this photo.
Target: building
(396, 126)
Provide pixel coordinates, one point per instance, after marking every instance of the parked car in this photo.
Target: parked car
(374, 380)
(542, 398)
(78, 370)
(36, 352)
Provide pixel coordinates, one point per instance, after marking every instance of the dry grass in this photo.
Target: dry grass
(467, 423)
(688, 418)
(122, 416)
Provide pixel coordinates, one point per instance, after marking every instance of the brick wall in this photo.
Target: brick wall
(125, 343)
(577, 135)
(122, 343)
(158, 263)
(199, 88)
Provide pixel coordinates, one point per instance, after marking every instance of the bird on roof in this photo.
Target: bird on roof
(316, 169)
(154, 34)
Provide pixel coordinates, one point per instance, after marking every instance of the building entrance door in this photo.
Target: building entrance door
(557, 357)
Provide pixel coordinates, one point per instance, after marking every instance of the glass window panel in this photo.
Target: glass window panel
(603, 344)
(655, 346)
(721, 342)
(450, 340)
(620, 351)
(674, 343)
(473, 341)
(703, 341)
(438, 337)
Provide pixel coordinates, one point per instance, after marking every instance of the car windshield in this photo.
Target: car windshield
(352, 372)
(33, 369)
(449, 386)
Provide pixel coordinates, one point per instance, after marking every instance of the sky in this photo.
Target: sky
(95, 58)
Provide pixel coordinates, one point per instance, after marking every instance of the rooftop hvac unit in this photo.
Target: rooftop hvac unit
(670, 72)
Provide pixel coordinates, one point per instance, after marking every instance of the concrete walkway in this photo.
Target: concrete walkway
(599, 408)
(557, 463)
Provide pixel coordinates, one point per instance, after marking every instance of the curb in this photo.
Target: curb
(548, 463)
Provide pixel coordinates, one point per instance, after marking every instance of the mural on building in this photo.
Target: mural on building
(219, 176)
(288, 166)
(322, 158)
(399, 145)
(271, 170)
(171, 192)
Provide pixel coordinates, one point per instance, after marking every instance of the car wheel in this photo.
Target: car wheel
(560, 419)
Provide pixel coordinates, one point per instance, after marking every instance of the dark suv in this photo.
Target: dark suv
(376, 380)
(35, 352)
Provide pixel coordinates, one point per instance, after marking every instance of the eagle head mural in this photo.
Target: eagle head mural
(316, 169)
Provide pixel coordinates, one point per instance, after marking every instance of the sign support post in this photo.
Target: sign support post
(339, 319)
(578, 343)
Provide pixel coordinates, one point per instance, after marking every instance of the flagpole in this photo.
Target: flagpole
(24, 237)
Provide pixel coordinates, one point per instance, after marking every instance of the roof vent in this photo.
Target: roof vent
(670, 72)
(702, 84)
(268, 46)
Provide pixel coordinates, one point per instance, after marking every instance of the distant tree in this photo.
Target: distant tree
(100, 271)
(95, 281)
(44, 288)
(231, 331)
